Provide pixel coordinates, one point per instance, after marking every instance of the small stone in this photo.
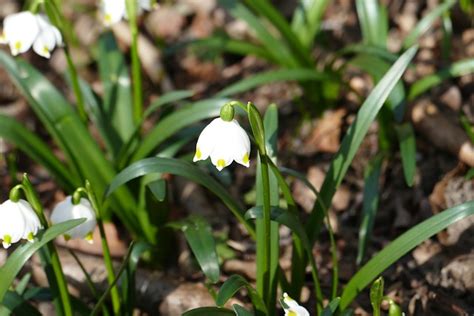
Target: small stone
(452, 98)
(185, 297)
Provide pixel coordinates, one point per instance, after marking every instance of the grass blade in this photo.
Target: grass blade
(370, 205)
(406, 138)
(233, 284)
(20, 256)
(199, 237)
(426, 22)
(209, 311)
(307, 20)
(373, 22)
(273, 45)
(33, 146)
(402, 245)
(298, 74)
(457, 69)
(353, 139)
(184, 169)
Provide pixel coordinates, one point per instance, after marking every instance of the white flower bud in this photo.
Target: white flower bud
(224, 142)
(293, 308)
(17, 221)
(25, 29)
(66, 210)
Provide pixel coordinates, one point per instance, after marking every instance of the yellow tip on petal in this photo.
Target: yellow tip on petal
(7, 239)
(221, 163)
(18, 45)
(246, 159)
(67, 237)
(198, 153)
(107, 19)
(292, 313)
(89, 238)
(30, 237)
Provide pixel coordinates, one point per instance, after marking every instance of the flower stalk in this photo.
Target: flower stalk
(131, 6)
(105, 247)
(64, 301)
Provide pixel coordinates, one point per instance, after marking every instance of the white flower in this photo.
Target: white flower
(115, 10)
(294, 309)
(17, 221)
(224, 142)
(66, 210)
(25, 29)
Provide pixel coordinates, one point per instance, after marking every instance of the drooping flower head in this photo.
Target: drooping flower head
(25, 29)
(114, 10)
(67, 210)
(292, 307)
(18, 221)
(224, 141)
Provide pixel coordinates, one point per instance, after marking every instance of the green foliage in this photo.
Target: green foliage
(20, 256)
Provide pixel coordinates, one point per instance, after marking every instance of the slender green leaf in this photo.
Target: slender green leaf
(16, 304)
(209, 311)
(307, 20)
(198, 234)
(223, 43)
(377, 67)
(367, 49)
(184, 169)
(71, 135)
(266, 9)
(370, 205)
(128, 281)
(240, 311)
(401, 246)
(18, 258)
(426, 22)
(457, 69)
(167, 98)
(158, 188)
(117, 105)
(33, 146)
(373, 21)
(406, 138)
(331, 307)
(273, 45)
(298, 74)
(354, 137)
(232, 285)
(174, 122)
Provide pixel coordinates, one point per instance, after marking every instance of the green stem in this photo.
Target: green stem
(60, 281)
(136, 67)
(267, 227)
(75, 86)
(105, 248)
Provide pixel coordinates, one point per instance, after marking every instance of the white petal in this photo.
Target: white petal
(207, 140)
(32, 222)
(112, 11)
(241, 144)
(12, 222)
(65, 211)
(20, 30)
(47, 38)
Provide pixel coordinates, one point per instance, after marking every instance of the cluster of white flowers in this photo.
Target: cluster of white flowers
(25, 29)
(293, 308)
(115, 10)
(19, 221)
